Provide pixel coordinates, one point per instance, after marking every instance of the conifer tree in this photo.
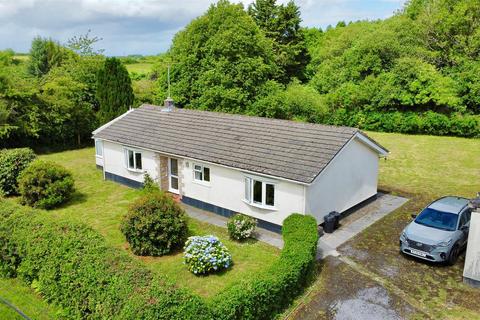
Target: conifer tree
(114, 90)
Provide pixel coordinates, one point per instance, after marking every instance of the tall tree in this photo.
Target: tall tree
(221, 60)
(114, 90)
(45, 54)
(281, 23)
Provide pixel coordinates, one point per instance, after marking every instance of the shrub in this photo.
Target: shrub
(71, 266)
(154, 225)
(206, 254)
(12, 163)
(149, 184)
(241, 226)
(45, 184)
(275, 288)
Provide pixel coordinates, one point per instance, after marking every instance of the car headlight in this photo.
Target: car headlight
(403, 237)
(444, 243)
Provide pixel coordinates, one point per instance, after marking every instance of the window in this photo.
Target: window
(99, 148)
(133, 160)
(201, 173)
(465, 218)
(173, 175)
(259, 192)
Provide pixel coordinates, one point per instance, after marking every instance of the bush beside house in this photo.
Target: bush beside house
(45, 185)
(12, 163)
(241, 227)
(206, 254)
(155, 225)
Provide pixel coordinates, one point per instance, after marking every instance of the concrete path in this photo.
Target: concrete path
(358, 221)
(350, 226)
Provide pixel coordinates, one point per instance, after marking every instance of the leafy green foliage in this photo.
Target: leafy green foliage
(155, 225)
(45, 185)
(241, 227)
(206, 254)
(281, 23)
(149, 185)
(45, 54)
(276, 287)
(221, 59)
(84, 44)
(70, 265)
(296, 102)
(114, 90)
(12, 163)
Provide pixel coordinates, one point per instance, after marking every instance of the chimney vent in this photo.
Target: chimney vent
(168, 104)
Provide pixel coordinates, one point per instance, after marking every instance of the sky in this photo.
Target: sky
(148, 26)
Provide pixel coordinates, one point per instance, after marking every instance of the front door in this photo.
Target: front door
(173, 175)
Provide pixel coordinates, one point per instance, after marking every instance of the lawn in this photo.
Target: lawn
(101, 204)
(25, 300)
(421, 168)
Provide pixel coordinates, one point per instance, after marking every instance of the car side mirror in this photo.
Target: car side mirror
(414, 216)
(464, 227)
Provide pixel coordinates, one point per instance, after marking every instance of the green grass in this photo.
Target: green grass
(429, 165)
(141, 67)
(101, 204)
(422, 168)
(25, 300)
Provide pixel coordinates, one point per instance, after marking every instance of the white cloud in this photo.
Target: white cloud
(146, 26)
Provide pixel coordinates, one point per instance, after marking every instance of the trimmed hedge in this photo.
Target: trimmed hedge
(45, 184)
(274, 289)
(70, 265)
(12, 163)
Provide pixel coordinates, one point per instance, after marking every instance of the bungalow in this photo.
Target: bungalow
(225, 163)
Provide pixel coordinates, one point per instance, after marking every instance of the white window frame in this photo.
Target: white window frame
(248, 196)
(202, 172)
(98, 146)
(127, 164)
(170, 176)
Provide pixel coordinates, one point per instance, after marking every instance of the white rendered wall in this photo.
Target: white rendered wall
(227, 189)
(349, 179)
(99, 161)
(471, 272)
(114, 162)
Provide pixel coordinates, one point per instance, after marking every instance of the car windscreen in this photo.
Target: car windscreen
(437, 219)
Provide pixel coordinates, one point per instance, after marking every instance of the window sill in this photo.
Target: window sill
(260, 206)
(135, 170)
(202, 183)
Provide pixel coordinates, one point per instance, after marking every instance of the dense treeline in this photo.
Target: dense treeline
(58, 96)
(416, 72)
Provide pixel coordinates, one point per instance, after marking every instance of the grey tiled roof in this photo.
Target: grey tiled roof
(287, 149)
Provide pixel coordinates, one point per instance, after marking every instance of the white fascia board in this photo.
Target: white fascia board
(379, 149)
(111, 122)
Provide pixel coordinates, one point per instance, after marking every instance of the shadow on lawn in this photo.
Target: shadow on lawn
(76, 198)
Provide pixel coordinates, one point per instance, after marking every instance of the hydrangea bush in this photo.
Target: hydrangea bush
(206, 254)
(241, 226)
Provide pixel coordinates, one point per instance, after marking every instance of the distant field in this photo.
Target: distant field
(142, 67)
(21, 57)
